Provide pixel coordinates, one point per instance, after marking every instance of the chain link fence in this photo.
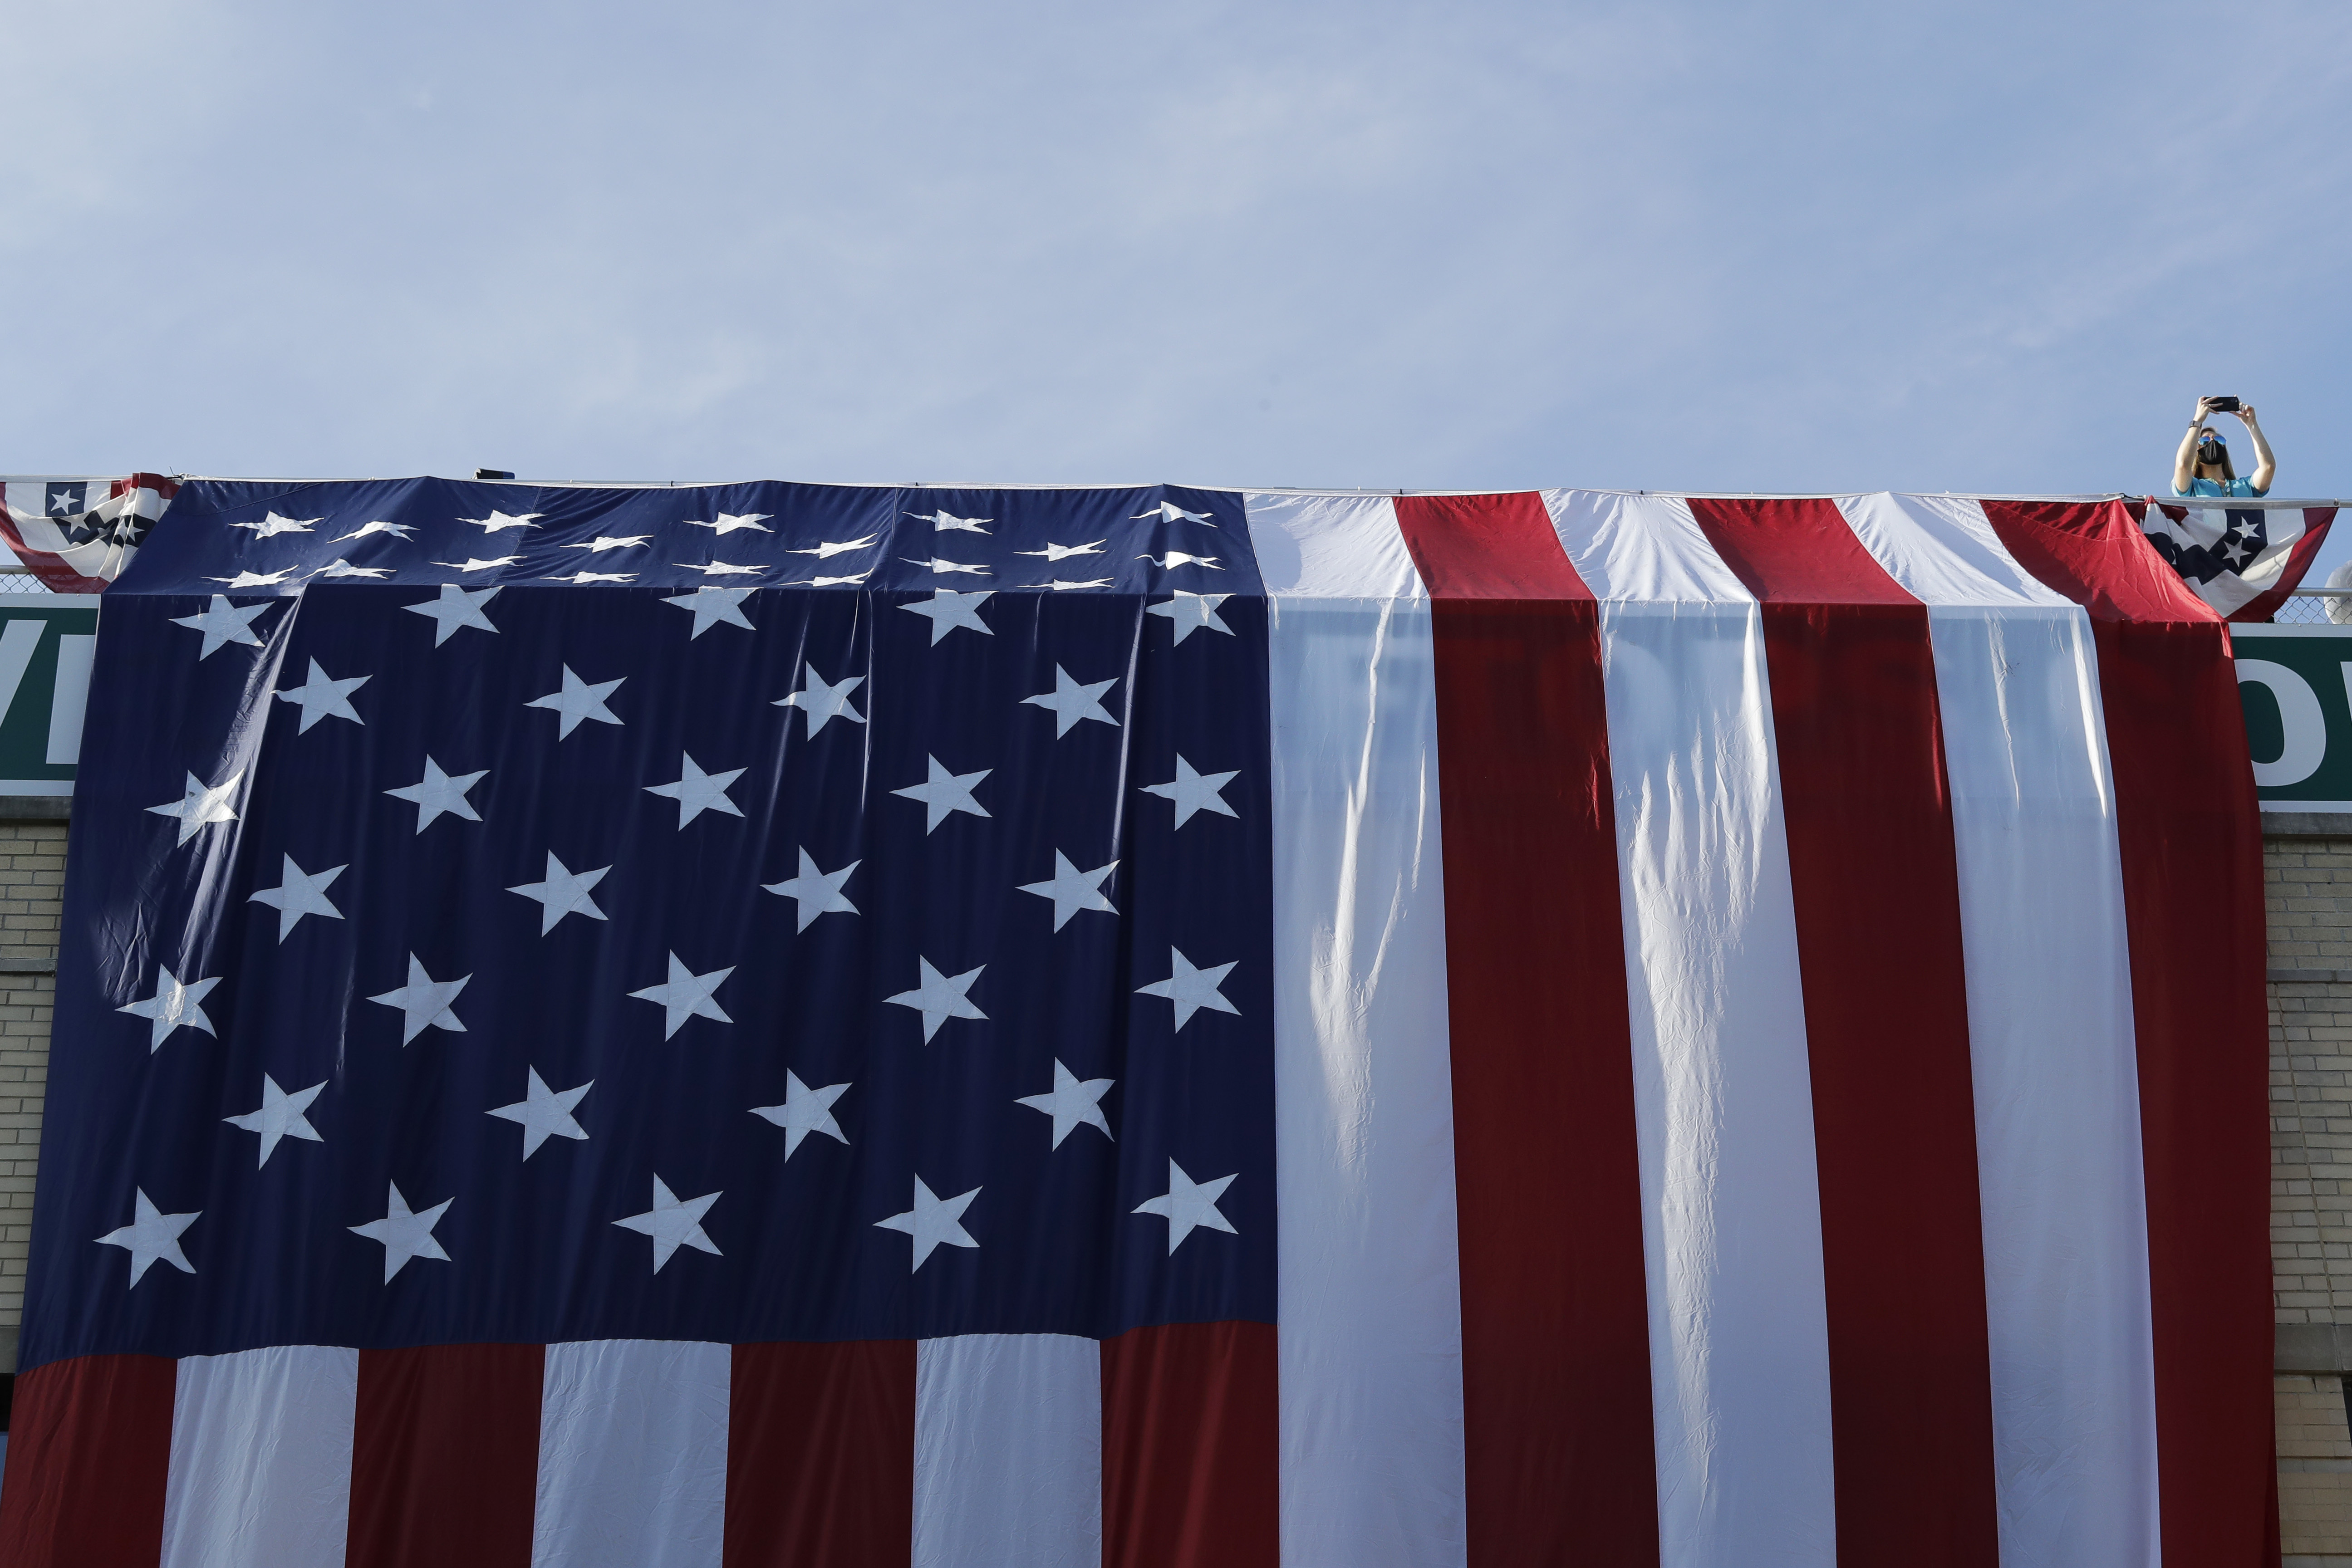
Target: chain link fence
(2310, 607)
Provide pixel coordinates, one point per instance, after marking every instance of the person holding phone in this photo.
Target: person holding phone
(2202, 466)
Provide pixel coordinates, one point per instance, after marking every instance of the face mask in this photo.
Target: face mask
(2212, 451)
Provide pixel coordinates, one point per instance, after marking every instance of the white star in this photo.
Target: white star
(947, 609)
(62, 504)
(340, 568)
(944, 792)
(281, 1117)
(299, 893)
(604, 542)
(1188, 1205)
(697, 791)
(1071, 701)
(1060, 585)
(565, 891)
(1170, 512)
(822, 701)
(817, 892)
(151, 1235)
(578, 700)
(437, 793)
(1194, 791)
(456, 608)
(400, 531)
(932, 1221)
(939, 997)
(424, 1002)
(729, 522)
(718, 568)
(1177, 558)
(1188, 612)
(254, 578)
(804, 1111)
(1192, 989)
(273, 525)
(582, 578)
(223, 623)
(1072, 889)
(686, 995)
(320, 698)
(1074, 1103)
(201, 805)
(405, 1235)
(476, 563)
(543, 1112)
(673, 1222)
(827, 549)
(1053, 552)
(714, 607)
(947, 522)
(939, 568)
(828, 582)
(498, 522)
(175, 1002)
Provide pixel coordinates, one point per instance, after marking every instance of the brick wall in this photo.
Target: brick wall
(32, 875)
(2309, 894)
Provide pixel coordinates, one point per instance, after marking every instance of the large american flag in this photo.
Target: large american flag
(775, 1024)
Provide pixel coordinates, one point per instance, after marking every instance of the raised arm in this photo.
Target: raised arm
(2184, 461)
(2266, 465)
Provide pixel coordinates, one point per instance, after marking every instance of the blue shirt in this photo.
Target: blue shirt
(2202, 487)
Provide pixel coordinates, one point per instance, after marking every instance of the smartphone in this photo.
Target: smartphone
(2222, 404)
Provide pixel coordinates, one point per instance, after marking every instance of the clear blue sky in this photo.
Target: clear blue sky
(1976, 247)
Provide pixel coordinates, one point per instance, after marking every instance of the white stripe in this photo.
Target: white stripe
(1370, 1338)
(2057, 1093)
(1008, 1452)
(1723, 1090)
(632, 1455)
(1646, 548)
(1330, 547)
(1943, 551)
(261, 1458)
(1731, 1203)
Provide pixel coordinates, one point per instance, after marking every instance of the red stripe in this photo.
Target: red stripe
(821, 1455)
(1487, 547)
(1555, 1317)
(1877, 888)
(2094, 553)
(1190, 1457)
(90, 1445)
(445, 1456)
(2191, 835)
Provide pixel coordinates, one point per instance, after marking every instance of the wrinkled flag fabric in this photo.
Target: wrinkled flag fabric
(2242, 560)
(772, 1024)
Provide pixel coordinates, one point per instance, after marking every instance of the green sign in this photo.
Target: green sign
(46, 643)
(2296, 685)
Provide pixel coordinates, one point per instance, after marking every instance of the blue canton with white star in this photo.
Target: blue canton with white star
(734, 914)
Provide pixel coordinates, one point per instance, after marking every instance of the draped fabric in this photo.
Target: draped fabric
(781, 1024)
(75, 536)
